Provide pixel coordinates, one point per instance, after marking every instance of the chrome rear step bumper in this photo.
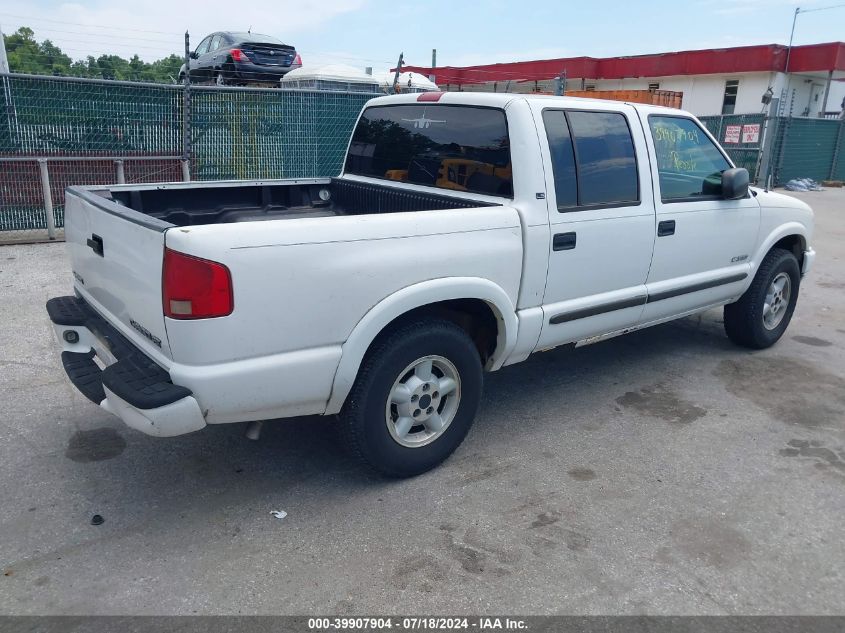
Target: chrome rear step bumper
(130, 385)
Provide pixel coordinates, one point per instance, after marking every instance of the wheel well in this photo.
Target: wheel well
(474, 316)
(793, 243)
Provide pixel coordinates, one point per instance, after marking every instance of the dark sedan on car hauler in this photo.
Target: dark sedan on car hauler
(231, 58)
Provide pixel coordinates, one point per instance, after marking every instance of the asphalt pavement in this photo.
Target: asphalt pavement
(663, 472)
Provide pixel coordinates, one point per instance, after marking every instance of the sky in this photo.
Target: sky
(373, 32)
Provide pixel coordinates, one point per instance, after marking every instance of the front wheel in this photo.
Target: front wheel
(414, 399)
(761, 315)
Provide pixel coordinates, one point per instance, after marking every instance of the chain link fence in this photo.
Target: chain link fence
(244, 133)
(62, 131)
(741, 135)
(808, 148)
(56, 132)
(779, 149)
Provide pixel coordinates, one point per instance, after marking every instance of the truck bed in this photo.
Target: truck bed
(193, 204)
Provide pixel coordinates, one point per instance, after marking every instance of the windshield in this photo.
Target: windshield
(462, 148)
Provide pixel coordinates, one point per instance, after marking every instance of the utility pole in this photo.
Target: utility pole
(6, 106)
(186, 113)
(431, 77)
(791, 37)
(4, 61)
(396, 74)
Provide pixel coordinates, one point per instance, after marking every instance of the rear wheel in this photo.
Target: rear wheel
(414, 399)
(220, 79)
(761, 315)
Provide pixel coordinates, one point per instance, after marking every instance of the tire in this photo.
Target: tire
(220, 79)
(751, 321)
(410, 434)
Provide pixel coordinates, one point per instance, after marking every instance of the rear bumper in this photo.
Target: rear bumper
(130, 386)
(243, 71)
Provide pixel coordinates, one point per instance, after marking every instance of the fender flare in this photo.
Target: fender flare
(780, 232)
(417, 296)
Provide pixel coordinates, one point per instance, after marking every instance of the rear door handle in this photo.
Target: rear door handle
(563, 241)
(666, 227)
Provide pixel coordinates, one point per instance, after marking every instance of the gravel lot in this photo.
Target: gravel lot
(662, 472)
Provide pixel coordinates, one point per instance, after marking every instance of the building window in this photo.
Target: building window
(654, 86)
(729, 100)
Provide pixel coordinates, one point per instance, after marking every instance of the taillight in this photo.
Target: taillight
(194, 288)
(297, 60)
(239, 56)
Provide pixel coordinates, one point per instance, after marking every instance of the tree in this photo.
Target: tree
(27, 56)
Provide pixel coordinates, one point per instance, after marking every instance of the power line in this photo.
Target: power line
(93, 26)
(117, 42)
(833, 6)
(102, 35)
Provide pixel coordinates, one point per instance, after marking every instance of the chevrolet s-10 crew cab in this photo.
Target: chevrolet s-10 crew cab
(465, 232)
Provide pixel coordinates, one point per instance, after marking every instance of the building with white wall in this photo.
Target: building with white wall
(804, 81)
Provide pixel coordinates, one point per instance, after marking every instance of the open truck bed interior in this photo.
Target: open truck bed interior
(197, 205)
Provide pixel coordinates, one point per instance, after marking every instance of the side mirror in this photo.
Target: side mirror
(735, 183)
(193, 55)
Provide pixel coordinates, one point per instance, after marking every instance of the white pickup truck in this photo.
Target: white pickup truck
(466, 232)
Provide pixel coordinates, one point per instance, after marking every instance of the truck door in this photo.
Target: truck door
(704, 243)
(601, 211)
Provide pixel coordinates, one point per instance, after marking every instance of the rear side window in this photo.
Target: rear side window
(593, 159)
(563, 159)
(689, 164)
(462, 148)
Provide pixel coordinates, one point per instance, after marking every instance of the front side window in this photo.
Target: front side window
(689, 164)
(462, 148)
(202, 49)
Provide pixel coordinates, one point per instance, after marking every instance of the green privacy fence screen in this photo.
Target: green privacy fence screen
(100, 132)
(270, 133)
(808, 148)
(787, 147)
(79, 131)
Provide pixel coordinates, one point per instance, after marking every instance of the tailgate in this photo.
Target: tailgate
(116, 255)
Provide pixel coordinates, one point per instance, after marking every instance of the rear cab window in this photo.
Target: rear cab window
(457, 147)
(689, 164)
(593, 159)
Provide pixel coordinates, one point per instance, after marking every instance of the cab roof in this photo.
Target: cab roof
(502, 99)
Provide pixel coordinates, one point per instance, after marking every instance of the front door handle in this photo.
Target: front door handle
(666, 227)
(564, 241)
(95, 243)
